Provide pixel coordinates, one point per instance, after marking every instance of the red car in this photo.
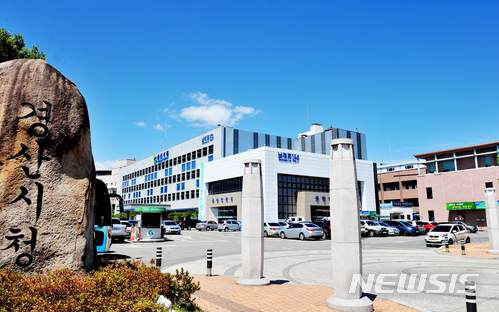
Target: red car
(428, 226)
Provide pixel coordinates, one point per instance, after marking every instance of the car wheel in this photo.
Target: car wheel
(371, 233)
(226, 229)
(283, 236)
(189, 227)
(302, 237)
(451, 241)
(265, 234)
(324, 235)
(208, 228)
(468, 240)
(404, 232)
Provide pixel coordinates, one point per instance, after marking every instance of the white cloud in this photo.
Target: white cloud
(158, 127)
(213, 112)
(140, 124)
(106, 164)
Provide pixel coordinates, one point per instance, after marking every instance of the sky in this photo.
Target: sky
(413, 76)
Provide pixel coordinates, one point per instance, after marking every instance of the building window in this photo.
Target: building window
(183, 167)
(210, 150)
(429, 193)
(210, 158)
(431, 215)
(178, 187)
(431, 168)
(487, 161)
(489, 184)
(188, 166)
(183, 186)
(194, 165)
(448, 166)
(197, 183)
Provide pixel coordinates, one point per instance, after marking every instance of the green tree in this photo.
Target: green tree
(13, 47)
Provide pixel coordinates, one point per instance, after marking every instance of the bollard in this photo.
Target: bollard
(158, 257)
(446, 244)
(462, 247)
(470, 288)
(209, 262)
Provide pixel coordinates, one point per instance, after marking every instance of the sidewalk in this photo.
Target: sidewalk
(222, 294)
(471, 250)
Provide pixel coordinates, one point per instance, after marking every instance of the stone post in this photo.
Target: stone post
(252, 225)
(346, 248)
(492, 215)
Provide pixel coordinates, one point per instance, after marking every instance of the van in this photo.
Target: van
(294, 219)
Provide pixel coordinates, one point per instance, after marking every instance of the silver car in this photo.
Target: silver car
(302, 231)
(206, 225)
(391, 229)
(228, 225)
(453, 232)
(271, 229)
(171, 227)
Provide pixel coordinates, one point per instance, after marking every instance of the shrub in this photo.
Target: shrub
(121, 286)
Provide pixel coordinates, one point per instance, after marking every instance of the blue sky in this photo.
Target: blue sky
(414, 76)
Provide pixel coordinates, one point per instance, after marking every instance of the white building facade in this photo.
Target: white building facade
(206, 172)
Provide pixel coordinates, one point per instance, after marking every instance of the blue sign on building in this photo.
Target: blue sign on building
(207, 139)
(288, 157)
(161, 157)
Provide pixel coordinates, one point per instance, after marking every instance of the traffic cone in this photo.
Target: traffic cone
(132, 236)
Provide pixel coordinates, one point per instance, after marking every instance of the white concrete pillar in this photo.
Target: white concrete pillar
(252, 223)
(492, 215)
(346, 248)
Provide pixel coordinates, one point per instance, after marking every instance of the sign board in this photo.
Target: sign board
(150, 209)
(461, 206)
(401, 204)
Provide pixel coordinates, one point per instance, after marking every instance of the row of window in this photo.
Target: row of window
(166, 180)
(172, 162)
(164, 198)
(226, 186)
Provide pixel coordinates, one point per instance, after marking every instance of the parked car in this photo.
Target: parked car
(416, 223)
(189, 223)
(428, 226)
(302, 231)
(454, 232)
(170, 227)
(118, 232)
(128, 229)
(469, 227)
(294, 219)
(228, 225)
(392, 230)
(373, 229)
(206, 225)
(325, 224)
(404, 228)
(271, 229)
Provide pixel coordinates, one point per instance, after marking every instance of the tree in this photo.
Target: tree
(13, 47)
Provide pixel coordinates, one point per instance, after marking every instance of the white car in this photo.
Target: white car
(271, 229)
(391, 229)
(171, 227)
(119, 230)
(373, 228)
(454, 232)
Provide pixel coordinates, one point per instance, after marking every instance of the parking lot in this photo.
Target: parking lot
(309, 262)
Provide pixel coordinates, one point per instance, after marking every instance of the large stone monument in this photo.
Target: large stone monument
(346, 248)
(46, 170)
(252, 218)
(492, 214)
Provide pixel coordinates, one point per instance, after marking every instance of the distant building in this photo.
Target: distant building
(398, 190)
(110, 176)
(452, 187)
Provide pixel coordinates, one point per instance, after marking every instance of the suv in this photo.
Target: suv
(228, 225)
(128, 229)
(326, 227)
(416, 223)
(372, 228)
(189, 223)
(118, 231)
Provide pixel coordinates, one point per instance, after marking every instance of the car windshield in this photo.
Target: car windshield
(116, 221)
(170, 223)
(442, 228)
(274, 224)
(371, 223)
(383, 224)
(405, 223)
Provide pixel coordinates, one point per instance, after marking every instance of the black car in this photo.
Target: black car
(326, 227)
(189, 223)
(469, 227)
